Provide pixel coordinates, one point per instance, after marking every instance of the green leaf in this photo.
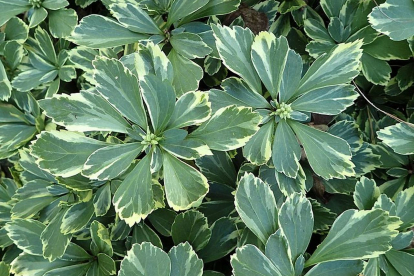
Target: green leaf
(62, 22)
(8, 9)
(316, 30)
(189, 45)
(184, 261)
(399, 137)
(402, 240)
(404, 77)
(269, 56)
(405, 207)
(223, 240)
(30, 79)
(292, 5)
(155, 60)
(384, 48)
(145, 260)
(332, 8)
(366, 193)
(237, 92)
(102, 200)
(133, 200)
(4, 269)
(249, 260)
(101, 242)
(159, 97)
(106, 265)
(162, 220)
(328, 155)
(218, 168)
(25, 234)
(77, 217)
(108, 34)
(229, 128)
(339, 66)
(326, 100)
(85, 111)
(368, 231)
(238, 89)
(54, 4)
(337, 268)
(256, 206)
(32, 198)
(403, 262)
(182, 8)
(185, 187)
(277, 251)
(175, 143)
(143, 233)
(120, 88)
(63, 153)
(213, 7)
(375, 70)
(109, 162)
(14, 136)
(192, 108)
(16, 30)
(5, 86)
(67, 73)
(54, 242)
(192, 227)
(286, 151)
(37, 17)
(134, 18)
(258, 149)
(45, 44)
(372, 267)
(394, 18)
(296, 223)
(187, 74)
(234, 46)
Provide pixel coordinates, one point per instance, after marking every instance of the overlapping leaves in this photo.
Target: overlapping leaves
(159, 143)
(268, 59)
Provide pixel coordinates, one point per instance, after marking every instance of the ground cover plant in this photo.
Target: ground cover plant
(206, 138)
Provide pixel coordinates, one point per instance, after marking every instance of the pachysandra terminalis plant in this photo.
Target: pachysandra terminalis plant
(206, 138)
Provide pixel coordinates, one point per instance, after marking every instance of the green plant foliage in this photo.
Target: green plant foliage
(206, 138)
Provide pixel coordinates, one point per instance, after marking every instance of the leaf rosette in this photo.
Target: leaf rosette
(135, 100)
(288, 100)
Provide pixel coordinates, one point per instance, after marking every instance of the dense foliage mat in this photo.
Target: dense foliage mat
(206, 138)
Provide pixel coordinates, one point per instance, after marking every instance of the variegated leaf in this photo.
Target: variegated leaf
(357, 235)
(133, 200)
(256, 206)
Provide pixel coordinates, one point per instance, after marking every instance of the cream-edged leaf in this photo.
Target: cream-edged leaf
(229, 128)
(256, 206)
(337, 67)
(394, 18)
(145, 259)
(258, 149)
(192, 108)
(328, 155)
(399, 137)
(185, 187)
(234, 46)
(97, 31)
(357, 235)
(63, 153)
(133, 200)
(85, 111)
(286, 151)
(109, 162)
(120, 88)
